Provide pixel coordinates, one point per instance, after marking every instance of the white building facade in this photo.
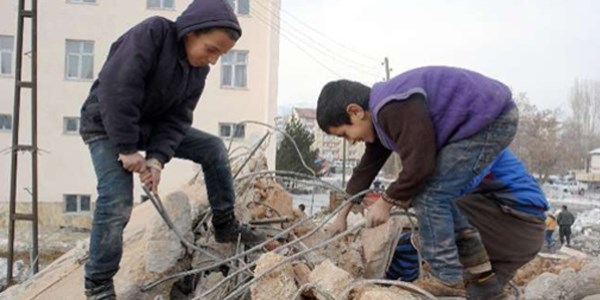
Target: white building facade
(74, 37)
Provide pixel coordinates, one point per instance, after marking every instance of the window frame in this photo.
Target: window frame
(11, 53)
(10, 123)
(65, 122)
(235, 5)
(234, 64)
(234, 132)
(161, 6)
(80, 55)
(79, 199)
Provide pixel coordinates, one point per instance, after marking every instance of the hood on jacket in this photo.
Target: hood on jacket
(205, 14)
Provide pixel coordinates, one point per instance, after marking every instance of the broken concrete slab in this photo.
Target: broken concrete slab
(208, 282)
(378, 246)
(588, 280)
(383, 293)
(301, 273)
(572, 252)
(540, 287)
(163, 247)
(277, 284)
(329, 278)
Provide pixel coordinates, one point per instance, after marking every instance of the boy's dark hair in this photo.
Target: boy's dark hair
(335, 97)
(302, 207)
(233, 34)
(564, 207)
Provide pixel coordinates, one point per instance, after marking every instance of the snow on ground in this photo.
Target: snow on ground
(320, 202)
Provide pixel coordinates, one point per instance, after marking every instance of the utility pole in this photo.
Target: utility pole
(386, 63)
(21, 84)
(390, 164)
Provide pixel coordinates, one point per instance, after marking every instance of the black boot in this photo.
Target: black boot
(485, 288)
(229, 232)
(100, 290)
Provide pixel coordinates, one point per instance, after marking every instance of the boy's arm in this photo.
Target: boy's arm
(122, 82)
(170, 130)
(408, 123)
(365, 172)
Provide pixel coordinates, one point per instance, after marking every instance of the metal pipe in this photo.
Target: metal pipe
(310, 233)
(290, 258)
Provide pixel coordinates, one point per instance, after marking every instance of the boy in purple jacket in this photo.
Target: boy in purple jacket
(143, 100)
(447, 124)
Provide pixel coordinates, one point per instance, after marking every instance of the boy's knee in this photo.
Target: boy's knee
(217, 149)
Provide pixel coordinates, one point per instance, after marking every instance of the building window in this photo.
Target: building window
(234, 66)
(71, 125)
(160, 4)
(81, 1)
(232, 130)
(5, 122)
(6, 54)
(77, 203)
(79, 59)
(240, 7)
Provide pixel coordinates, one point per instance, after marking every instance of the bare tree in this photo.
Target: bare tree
(585, 106)
(537, 141)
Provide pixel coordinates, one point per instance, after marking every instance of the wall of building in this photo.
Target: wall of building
(64, 163)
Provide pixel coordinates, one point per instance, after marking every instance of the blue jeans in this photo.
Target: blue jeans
(548, 238)
(115, 195)
(457, 164)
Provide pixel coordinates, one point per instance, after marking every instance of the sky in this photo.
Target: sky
(537, 47)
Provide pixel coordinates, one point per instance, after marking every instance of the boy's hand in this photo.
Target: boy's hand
(133, 162)
(378, 213)
(151, 174)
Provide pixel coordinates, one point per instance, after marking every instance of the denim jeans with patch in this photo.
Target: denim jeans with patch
(115, 195)
(456, 165)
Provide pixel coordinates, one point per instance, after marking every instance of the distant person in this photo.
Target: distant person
(565, 219)
(302, 207)
(550, 228)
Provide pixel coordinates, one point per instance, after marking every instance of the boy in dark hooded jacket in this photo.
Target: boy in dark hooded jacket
(144, 99)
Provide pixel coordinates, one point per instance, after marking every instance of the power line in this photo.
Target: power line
(299, 47)
(329, 38)
(295, 39)
(333, 53)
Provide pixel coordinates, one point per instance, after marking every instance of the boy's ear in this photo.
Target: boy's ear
(355, 110)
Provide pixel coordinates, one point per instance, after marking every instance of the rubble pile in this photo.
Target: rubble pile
(302, 260)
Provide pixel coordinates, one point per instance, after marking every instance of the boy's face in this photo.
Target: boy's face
(361, 129)
(206, 48)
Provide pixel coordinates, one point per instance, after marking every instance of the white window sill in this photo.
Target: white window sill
(71, 133)
(82, 3)
(79, 80)
(161, 8)
(234, 88)
(7, 76)
(77, 213)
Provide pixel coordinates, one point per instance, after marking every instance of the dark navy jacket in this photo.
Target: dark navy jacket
(146, 92)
